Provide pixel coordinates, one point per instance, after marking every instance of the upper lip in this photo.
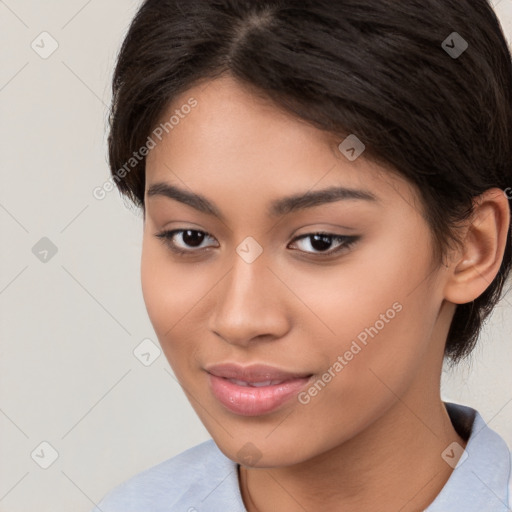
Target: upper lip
(253, 373)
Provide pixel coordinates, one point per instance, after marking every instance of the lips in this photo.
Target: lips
(254, 373)
(255, 384)
(254, 390)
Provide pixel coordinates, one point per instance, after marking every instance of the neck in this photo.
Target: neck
(395, 464)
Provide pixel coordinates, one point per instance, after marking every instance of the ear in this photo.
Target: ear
(485, 237)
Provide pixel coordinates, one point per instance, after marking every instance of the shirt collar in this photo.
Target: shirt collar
(478, 483)
(480, 480)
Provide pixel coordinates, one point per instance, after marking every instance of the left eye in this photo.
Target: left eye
(192, 240)
(323, 241)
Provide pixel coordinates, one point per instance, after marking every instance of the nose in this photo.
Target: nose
(250, 304)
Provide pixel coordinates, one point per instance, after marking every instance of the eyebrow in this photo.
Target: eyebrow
(278, 207)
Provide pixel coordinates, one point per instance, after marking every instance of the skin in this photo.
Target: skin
(372, 438)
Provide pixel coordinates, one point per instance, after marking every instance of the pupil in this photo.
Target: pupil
(191, 239)
(321, 242)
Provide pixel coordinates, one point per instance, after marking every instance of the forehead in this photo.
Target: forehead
(246, 143)
(230, 123)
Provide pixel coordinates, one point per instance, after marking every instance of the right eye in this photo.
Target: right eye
(190, 238)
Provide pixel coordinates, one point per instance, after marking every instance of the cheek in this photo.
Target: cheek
(376, 311)
(169, 293)
(350, 297)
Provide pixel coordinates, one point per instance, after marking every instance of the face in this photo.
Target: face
(287, 321)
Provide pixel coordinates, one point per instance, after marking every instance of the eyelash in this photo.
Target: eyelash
(346, 242)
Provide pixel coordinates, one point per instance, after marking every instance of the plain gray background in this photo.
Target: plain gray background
(71, 319)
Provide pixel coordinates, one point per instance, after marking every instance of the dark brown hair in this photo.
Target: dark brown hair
(380, 69)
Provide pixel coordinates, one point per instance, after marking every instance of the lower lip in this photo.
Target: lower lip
(254, 401)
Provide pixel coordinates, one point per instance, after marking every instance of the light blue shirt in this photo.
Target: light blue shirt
(203, 479)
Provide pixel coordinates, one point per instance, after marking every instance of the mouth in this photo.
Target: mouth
(256, 384)
(254, 390)
(253, 374)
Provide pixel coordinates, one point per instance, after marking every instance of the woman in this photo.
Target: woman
(326, 219)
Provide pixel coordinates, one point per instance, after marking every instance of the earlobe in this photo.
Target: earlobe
(484, 244)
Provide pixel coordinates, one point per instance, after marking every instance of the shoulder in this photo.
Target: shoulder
(183, 482)
(510, 484)
(482, 478)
